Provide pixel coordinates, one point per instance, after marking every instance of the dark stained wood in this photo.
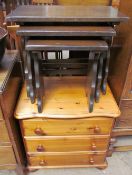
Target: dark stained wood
(122, 132)
(125, 120)
(94, 58)
(66, 31)
(94, 46)
(88, 45)
(99, 76)
(6, 67)
(106, 71)
(66, 14)
(1, 17)
(121, 70)
(29, 78)
(76, 66)
(10, 81)
(38, 83)
(120, 77)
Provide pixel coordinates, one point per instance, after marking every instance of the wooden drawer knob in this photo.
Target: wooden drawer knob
(93, 147)
(42, 163)
(39, 132)
(40, 148)
(91, 161)
(97, 130)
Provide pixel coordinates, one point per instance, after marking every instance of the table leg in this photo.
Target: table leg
(30, 78)
(99, 76)
(106, 71)
(38, 83)
(26, 76)
(93, 58)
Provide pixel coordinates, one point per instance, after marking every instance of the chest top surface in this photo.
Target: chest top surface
(66, 97)
(57, 13)
(6, 66)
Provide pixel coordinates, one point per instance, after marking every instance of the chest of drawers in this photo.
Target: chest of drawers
(65, 134)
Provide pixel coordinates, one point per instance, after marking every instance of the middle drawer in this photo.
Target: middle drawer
(66, 144)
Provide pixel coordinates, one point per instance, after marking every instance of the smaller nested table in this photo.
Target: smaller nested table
(98, 52)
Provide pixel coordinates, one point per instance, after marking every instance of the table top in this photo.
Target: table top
(6, 66)
(57, 13)
(65, 97)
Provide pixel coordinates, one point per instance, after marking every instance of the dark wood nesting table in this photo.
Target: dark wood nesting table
(67, 21)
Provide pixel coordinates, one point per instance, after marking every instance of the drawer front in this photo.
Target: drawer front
(125, 120)
(66, 159)
(54, 127)
(4, 134)
(65, 144)
(1, 115)
(7, 155)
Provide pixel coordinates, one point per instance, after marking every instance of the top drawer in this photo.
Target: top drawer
(54, 127)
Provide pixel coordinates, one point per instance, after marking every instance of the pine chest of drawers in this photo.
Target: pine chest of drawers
(65, 134)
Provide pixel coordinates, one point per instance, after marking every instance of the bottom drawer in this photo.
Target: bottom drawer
(7, 155)
(66, 159)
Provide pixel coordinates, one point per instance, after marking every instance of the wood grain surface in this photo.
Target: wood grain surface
(66, 143)
(68, 98)
(54, 127)
(63, 159)
(85, 45)
(84, 2)
(4, 133)
(66, 31)
(10, 159)
(34, 13)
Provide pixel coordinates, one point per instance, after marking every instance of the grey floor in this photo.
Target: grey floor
(118, 164)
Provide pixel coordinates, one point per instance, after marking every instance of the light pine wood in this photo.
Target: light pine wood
(115, 3)
(66, 144)
(48, 2)
(3, 133)
(54, 127)
(63, 159)
(84, 2)
(13, 38)
(123, 148)
(101, 166)
(123, 143)
(65, 134)
(7, 155)
(7, 167)
(66, 97)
